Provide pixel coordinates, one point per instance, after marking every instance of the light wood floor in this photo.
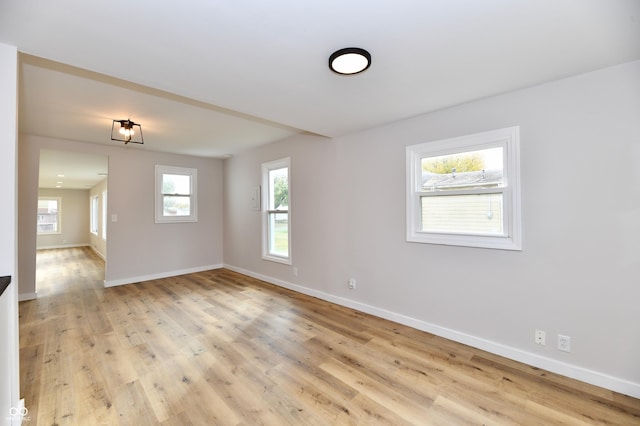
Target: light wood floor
(220, 348)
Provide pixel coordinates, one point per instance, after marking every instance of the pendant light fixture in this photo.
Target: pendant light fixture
(349, 61)
(126, 131)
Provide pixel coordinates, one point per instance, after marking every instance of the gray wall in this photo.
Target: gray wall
(75, 218)
(578, 271)
(138, 248)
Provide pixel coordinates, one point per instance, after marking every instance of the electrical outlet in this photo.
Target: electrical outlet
(352, 283)
(540, 337)
(295, 271)
(564, 343)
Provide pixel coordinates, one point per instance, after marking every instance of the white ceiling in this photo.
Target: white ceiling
(71, 170)
(213, 78)
(64, 102)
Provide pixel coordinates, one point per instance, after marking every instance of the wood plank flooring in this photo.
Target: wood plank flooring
(218, 347)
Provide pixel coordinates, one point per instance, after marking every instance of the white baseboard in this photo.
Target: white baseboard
(26, 296)
(596, 378)
(99, 254)
(60, 246)
(131, 280)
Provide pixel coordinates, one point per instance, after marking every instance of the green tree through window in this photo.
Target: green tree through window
(281, 191)
(458, 163)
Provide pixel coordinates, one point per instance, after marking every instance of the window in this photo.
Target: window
(276, 229)
(465, 191)
(104, 215)
(93, 212)
(49, 215)
(176, 194)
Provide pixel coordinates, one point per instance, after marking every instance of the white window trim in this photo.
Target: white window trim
(59, 231)
(193, 174)
(266, 167)
(104, 215)
(509, 139)
(94, 214)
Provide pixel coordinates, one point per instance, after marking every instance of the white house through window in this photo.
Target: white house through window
(49, 215)
(465, 191)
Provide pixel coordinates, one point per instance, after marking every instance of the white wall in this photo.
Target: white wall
(138, 248)
(74, 218)
(9, 342)
(576, 275)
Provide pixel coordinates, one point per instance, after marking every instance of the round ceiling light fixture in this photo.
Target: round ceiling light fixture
(349, 61)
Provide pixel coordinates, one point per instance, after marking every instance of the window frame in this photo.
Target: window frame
(160, 217)
(507, 138)
(104, 215)
(267, 212)
(58, 216)
(94, 214)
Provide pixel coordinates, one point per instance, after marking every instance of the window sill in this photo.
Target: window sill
(481, 241)
(277, 259)
(177, 220)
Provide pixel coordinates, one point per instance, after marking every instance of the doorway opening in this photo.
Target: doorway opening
(72, 212)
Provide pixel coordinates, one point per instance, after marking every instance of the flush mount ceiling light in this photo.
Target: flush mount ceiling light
(126, 131)
(349, 61)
